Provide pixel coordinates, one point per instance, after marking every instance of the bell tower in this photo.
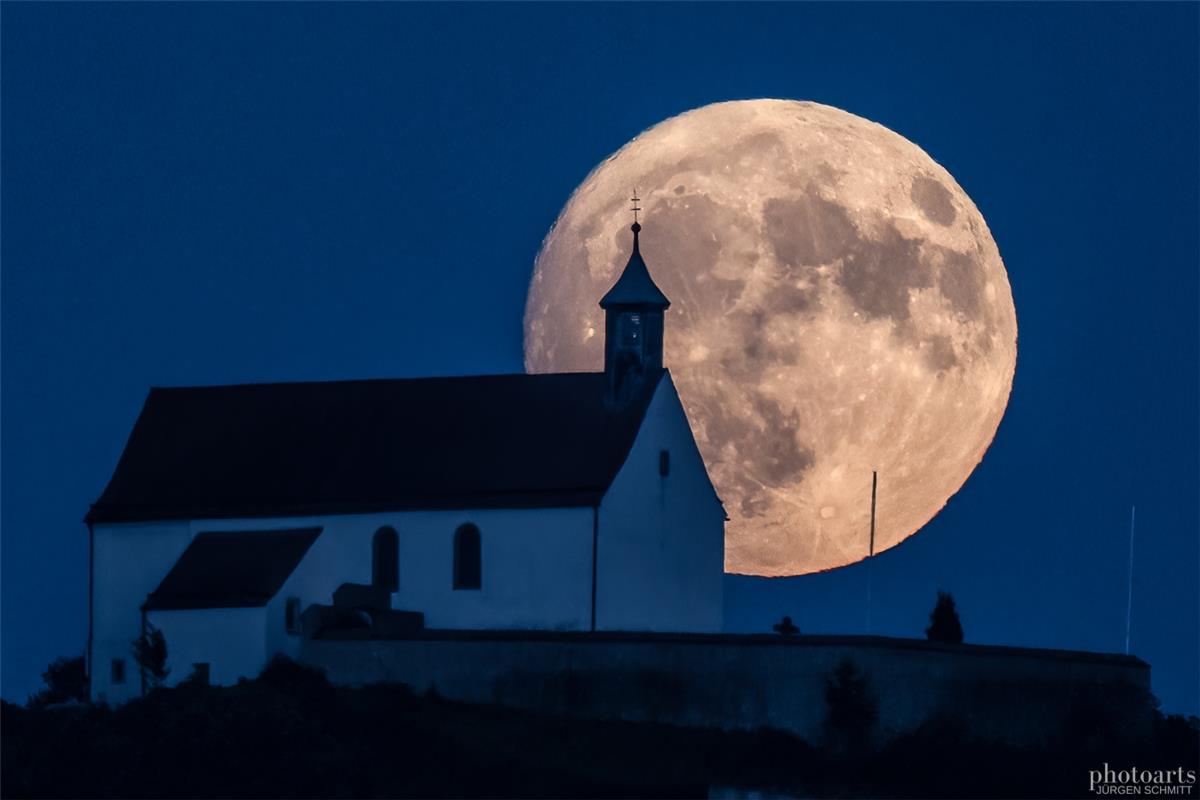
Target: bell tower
(633, 326)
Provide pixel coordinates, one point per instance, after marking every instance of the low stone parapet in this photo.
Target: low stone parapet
(1018, 695)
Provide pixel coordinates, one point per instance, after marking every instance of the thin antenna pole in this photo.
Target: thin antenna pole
(1129, 601)
(871, 546)
(869, 595)
(874, 484)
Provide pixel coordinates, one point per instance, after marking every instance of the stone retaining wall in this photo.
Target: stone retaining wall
(742, 681)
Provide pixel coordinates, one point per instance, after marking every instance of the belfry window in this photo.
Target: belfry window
(468, 567)
(385, 559)
(630, 333)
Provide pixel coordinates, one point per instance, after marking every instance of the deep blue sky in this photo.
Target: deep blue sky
(218, 193)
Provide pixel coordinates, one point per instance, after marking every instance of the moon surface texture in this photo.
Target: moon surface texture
(838, 306)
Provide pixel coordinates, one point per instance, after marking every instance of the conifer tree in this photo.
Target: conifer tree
(852, 710)
(944, 625)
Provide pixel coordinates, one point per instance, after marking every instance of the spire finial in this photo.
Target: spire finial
(636, 208)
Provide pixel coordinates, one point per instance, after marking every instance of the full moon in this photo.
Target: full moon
(838, 308)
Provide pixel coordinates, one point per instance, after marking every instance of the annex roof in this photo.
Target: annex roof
(232, 569)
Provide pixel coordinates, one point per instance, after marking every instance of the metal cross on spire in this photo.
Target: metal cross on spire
(636, 208)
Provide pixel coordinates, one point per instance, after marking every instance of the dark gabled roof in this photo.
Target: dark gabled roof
(635, 287)
(494, 441)
(232, 569)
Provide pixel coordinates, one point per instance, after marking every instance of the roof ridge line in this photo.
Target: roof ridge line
(330, 381)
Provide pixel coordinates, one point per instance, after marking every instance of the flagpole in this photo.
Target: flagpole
(1129, 600)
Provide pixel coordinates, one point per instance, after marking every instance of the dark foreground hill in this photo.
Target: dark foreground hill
(291, 734)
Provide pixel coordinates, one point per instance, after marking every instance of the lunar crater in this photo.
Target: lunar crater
(934, 200)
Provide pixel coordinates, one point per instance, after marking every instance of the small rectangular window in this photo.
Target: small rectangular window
(664, 462)
(201, 673)
(291, 615)
(118, 670)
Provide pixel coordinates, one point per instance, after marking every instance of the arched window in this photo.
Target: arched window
(385, 559)
(468, 568)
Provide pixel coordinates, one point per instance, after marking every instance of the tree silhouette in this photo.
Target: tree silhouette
(150, 652)
(852, 710)
(65, 679)
(944, 625)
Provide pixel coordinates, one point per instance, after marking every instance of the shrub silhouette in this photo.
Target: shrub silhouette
(265, 738)
(1099, 715)
(852, 710)
(66, 681)
(944, 625)
(294, 679)
(199, 676)
(150, 653)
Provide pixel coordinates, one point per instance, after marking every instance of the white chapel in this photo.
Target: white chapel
(241, 519)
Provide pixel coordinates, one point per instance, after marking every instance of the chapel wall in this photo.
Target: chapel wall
(661, 544)
(536, 575)
(128, 562)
